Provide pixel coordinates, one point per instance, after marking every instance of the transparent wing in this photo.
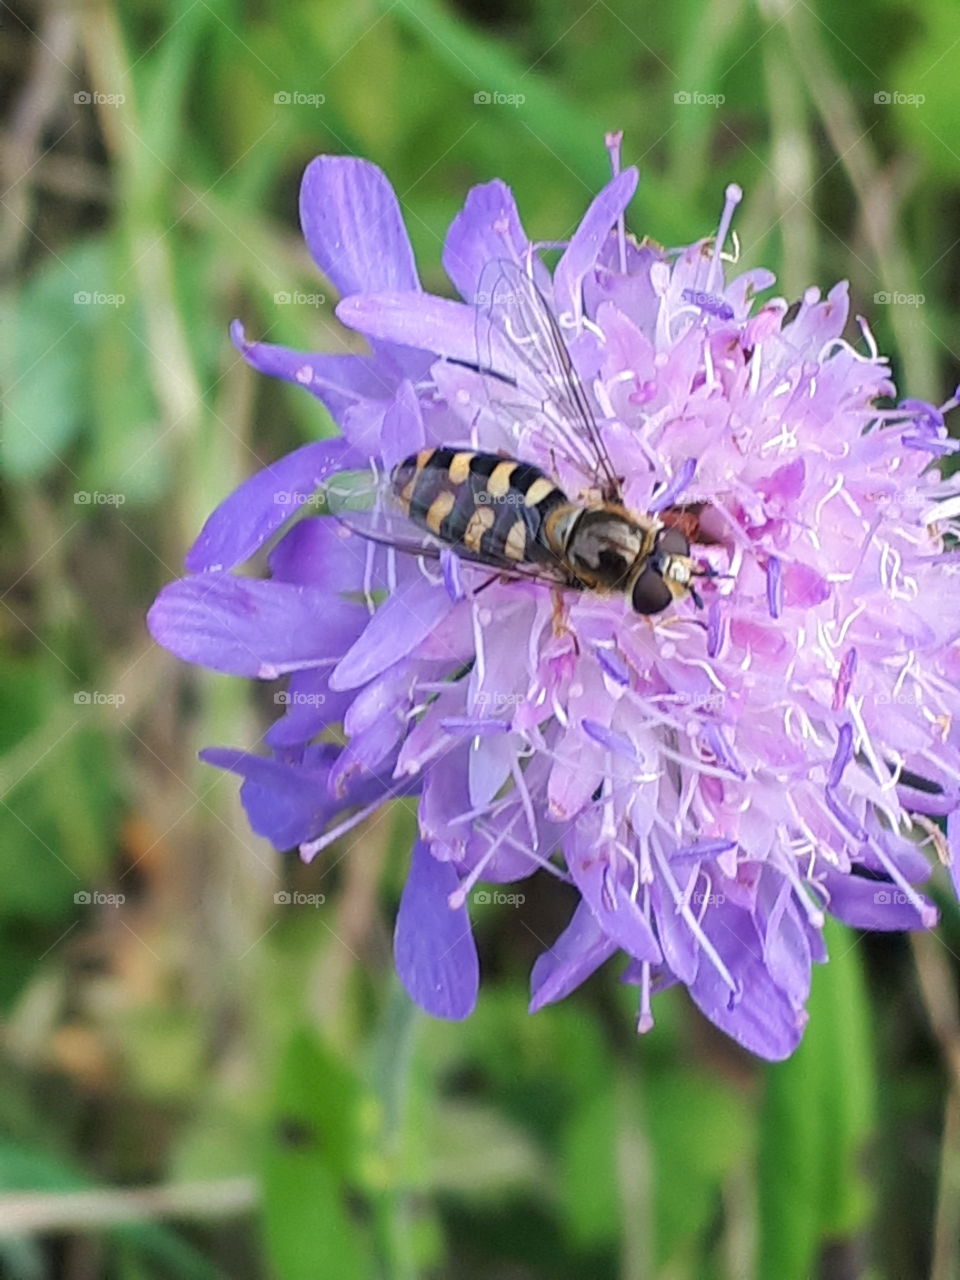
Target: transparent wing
(367, 506)
(546, 387)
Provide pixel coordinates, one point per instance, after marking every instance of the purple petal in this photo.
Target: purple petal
(842, 756)
(474, 727)
(243, 523)
(615, 909)
(337, 381)
(452, 577)
(285, 804)
(668, 496)
(403, 432)
(396, 629)
(352, 224)
(761, 1017)
(786, 483)
(579, 951)
(618, 743)
(426, 322)
(936, 804)
(894, 850)
(247, 627)
(309, 705)
(322, 552)
(681, 949)
(953, 845)
(581, 253)
(613, 665)
(367, 755)
(712, 303)
(487, 228)
(445, 797)
(774, 590)
(786, 947)
(433, 945)
(803, 586)
(874, 904)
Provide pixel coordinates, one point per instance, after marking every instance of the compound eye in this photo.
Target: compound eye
(673, 543)
(650, 593)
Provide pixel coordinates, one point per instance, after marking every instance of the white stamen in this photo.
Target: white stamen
(831, 493)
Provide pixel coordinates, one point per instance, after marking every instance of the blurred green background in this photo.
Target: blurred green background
(196, 1081)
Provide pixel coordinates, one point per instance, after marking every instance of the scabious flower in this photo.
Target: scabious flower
(709, 782)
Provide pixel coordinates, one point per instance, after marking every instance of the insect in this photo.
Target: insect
(510, 515)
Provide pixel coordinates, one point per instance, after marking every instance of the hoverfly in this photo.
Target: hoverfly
(496, 510)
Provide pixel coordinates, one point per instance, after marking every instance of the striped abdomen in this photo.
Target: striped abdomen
(494, 507)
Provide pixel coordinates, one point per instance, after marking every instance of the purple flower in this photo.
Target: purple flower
(710, 782)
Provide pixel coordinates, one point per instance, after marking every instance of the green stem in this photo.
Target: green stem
(393, 1058)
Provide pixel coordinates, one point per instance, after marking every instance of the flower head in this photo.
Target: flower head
(711, 781)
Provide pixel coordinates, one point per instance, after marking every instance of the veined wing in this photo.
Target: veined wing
(510, 306)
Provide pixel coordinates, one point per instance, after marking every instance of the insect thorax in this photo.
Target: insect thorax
(602, 545)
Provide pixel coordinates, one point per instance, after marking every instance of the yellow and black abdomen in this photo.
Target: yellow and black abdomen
(494, 507)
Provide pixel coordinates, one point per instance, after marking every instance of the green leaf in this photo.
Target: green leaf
(310, 1150)
(816, 1116)
(488, 66)
(587, 1180)
(47, 331)
(699, 1129)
